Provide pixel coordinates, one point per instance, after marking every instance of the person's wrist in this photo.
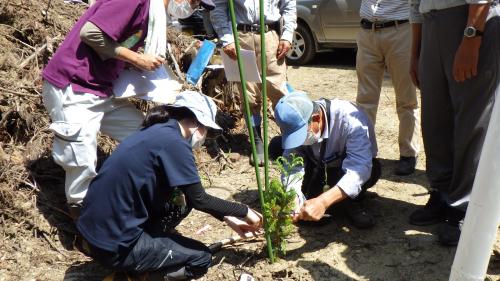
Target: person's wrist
(252, 217)
(135, 58)
(472, 41)
(324, 203)
(249, 218)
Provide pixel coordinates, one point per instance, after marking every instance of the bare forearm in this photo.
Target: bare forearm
(477, 15)
(332, 196)
(142, 61)
(127, 55)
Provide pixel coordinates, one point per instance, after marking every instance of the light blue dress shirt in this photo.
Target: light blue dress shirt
(348, 132)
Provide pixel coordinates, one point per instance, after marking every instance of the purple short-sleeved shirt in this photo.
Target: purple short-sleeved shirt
(78, 64)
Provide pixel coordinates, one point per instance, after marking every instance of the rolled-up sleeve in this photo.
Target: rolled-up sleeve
(288, 11)
(415, 16)
(358, 162)
(221, 22)
(478, 1)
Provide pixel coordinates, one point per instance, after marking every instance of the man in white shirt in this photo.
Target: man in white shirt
(337, 142)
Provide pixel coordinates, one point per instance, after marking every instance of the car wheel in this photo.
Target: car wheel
(303, 47)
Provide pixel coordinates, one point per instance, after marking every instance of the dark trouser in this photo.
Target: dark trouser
(160, 255)
(161, 252)
(455, 115)
(316, 178)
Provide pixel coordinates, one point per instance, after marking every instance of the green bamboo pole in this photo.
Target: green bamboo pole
(263, 62)
(248, 119)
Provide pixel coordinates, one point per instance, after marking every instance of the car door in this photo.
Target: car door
(340, 20)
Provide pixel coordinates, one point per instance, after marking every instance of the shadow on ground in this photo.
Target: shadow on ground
(86, 271)
(379, 253)
(338, 58)
(51, 200)
(389, 165)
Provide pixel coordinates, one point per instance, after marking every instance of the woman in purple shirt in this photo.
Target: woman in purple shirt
(77, 90)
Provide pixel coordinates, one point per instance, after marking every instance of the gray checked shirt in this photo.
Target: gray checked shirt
(349, 134)
(247, 12)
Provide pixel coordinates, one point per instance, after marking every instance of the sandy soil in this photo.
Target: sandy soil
(392, 250)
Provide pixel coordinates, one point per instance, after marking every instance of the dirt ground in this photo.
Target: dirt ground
(392, 250)
(36, 235)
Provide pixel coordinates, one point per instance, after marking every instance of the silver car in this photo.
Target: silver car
(323, 25)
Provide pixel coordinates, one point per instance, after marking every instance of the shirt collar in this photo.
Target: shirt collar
(326, 131)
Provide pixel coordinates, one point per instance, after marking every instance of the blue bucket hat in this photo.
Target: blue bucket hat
(292, 114)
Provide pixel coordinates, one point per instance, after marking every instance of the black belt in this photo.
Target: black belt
(256, 28)
(366, 24)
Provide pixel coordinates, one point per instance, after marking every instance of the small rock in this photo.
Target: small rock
(234, 157)
(415, 254)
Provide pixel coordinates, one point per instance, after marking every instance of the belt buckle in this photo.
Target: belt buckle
(253, 27)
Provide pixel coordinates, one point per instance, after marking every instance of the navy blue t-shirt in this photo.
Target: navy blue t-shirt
(134, 184)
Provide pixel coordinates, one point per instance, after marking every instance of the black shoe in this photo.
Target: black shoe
(433, 212)
(449, 232)
(406, 166)
(358, 215)
(74, 211)
(82, 245)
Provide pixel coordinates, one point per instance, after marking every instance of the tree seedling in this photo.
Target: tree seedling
(279, 204)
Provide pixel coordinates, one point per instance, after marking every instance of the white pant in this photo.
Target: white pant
(77, 118)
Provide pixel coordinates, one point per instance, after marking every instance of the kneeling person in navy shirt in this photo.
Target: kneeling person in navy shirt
(147, 186)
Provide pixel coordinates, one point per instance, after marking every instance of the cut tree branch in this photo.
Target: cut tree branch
(36, 52)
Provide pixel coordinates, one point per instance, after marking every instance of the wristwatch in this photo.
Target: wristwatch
(471, 32)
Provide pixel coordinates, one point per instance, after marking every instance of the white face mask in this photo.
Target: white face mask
(312, 138)
(181, 10)
(197, 139)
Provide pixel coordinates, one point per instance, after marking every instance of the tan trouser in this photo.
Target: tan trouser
(76, 121)
(389, 48)
(276, 70)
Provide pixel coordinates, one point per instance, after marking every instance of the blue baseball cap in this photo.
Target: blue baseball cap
(292, 114)
(203, 107)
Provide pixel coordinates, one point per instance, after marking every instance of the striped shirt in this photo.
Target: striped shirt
(384, 10)
(247, 12)
(419, 7)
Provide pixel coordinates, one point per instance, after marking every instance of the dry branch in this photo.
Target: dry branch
(36, 52)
